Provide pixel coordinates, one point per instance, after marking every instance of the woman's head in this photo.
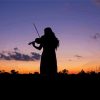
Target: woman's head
(48, 33)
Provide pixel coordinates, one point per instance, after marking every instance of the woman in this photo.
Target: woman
(49, 43)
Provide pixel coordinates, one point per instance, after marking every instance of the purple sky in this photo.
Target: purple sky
(75, 23)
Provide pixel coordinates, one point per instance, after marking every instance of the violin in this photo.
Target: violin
(37, 40)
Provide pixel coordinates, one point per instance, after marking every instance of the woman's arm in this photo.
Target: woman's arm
(39, 47)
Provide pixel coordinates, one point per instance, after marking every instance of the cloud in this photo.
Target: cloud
(96, 36)
(19, 56)
(16, 49)
(96, 2)
(35, 55)
(70, 60)
(78, 56)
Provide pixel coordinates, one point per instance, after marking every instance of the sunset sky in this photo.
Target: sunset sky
(75, 22)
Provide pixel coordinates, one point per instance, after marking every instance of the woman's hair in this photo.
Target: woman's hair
(50, 34)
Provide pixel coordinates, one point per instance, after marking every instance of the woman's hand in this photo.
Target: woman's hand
(33, 43)
(37, 47)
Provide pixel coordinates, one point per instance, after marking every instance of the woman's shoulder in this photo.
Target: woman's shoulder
(42, 38)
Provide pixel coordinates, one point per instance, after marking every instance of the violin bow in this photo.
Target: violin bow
(36, 30)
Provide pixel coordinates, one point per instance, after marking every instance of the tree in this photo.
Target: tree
(36, 73)
(82, 72)
(14, 72)
(64, 71)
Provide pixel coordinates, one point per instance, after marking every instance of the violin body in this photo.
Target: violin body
(37, 40)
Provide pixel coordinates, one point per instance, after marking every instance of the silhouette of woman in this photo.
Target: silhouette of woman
(49, 43)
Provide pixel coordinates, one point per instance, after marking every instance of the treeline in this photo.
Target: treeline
(62, 75)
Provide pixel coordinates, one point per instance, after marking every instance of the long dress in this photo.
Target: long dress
(48, 65)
